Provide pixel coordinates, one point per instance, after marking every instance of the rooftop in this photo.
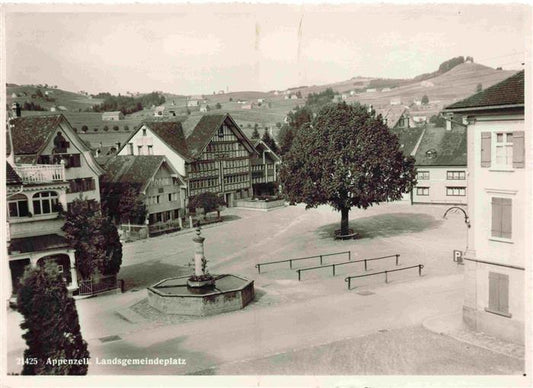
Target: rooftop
(133, 169)
(439, 147)
(508, 92)
(31, 134)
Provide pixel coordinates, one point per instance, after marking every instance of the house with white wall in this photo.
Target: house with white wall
(499, 206)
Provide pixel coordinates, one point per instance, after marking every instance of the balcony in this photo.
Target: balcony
(40, 173)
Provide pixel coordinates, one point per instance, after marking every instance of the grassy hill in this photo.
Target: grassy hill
(442, 89)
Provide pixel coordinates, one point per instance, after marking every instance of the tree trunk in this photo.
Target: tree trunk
(344, 221)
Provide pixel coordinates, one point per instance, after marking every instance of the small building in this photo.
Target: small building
(265, 166)
(159, 111)
(352, 92)
(248, 106)
(419, 120)
(204, 108)
(113, 116)
(417, 102)
(344, 96)
(386, 89)
(14, 95)
(396, 101)
(371, 90)
(156, 181)
(499, 207)
(260, 100)
(394, 116)
(427, 84)
(294, 97)
(193, 103)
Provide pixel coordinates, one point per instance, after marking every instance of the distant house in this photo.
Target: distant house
(385, 90)
(417, 102)
(286, 97)
(427, 84)
(371, 90)
(62, 108)
(220, 92)
(352, 92)
(53, 109)
(396, 101)
(419, 120)
(14, 95)
(344, 96)
(204, 108)
(260, 100)
(294, 97)
(159, 111)
(112, 116)
(394, 116)
(248, 106)
(153, 177)
(265, 167)
(193, 103)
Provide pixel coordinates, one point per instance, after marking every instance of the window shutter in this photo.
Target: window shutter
(496, 229)
(485, 149)
(503, 292)
(494, 300)
(507, 217)
(518, 150)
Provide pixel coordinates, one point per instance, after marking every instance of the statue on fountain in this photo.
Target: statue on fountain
(201, 277)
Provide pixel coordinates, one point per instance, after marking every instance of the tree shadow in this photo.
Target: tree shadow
(384, 225)
(143, 275)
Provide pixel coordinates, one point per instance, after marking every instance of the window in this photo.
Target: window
(139, 150)
(221, 131)
(130, 148)
(498, 294)
(170, 197)
(455, 191)
(422, 175)
(423, 191)
(150, 150)
(144, 131)
(502, 209)
(158, 199)
(18, 206)
(504, 149)
(81, 184)
(455, 175)
(45, 202)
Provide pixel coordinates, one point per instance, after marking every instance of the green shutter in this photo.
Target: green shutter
(496, 223)
(518, 150)
(507, 217)
(485, 149)
(494, 300)
(503, 292)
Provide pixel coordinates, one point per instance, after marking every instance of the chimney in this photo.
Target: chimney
(118, 145)
(448, 122)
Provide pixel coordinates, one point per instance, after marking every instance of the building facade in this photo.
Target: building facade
(35, 197)
(499, 206)
(50, 140)
(220, 159)
(265, 166)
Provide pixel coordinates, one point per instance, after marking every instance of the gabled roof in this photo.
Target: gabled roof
(260, 145)
(207, 127)
(509, 92)
(137, 170)
(439, 147)
(170, 132)
(32, 133)
(12, 178)
(392, 114)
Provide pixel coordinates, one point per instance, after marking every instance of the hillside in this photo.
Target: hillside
(269, 109)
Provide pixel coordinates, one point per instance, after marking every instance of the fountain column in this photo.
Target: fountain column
(198, 252)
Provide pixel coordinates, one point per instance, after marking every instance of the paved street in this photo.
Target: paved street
(287, 315)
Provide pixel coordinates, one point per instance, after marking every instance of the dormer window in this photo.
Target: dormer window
(144, 131)
(60, 144)
(221, 131)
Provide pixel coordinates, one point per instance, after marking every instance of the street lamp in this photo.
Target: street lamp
(458, 256)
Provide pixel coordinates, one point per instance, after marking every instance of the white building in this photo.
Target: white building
(499, 206)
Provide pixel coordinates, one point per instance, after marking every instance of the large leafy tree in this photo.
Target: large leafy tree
(51, 324)
(122, 202)
(346, 158)
(296, 119)
(95, 238)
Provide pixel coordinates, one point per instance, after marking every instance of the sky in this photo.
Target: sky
(197, 49)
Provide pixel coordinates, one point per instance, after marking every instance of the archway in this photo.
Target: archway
(63, 261)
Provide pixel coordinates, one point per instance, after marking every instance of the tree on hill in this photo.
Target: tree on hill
(285, 139)
(425, 100)
(207, 201)
(95, 238)
(106, 128)
(84, 128)
(51, 323)
(255, 133)
(346, 158)
(218, 106)
(296, 118)
(315, 101)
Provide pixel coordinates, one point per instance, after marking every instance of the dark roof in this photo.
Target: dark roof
(392, 114)
(508, 92)
(12, 178)
(133, 169)
(408, 138)
(37, 243)
(203, 132)
(171, 132)
(31, 133)
(440, 147)
(207, 127)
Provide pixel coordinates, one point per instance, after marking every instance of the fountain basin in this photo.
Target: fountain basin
(174, 296)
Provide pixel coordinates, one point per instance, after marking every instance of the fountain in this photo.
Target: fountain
(202, 293)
